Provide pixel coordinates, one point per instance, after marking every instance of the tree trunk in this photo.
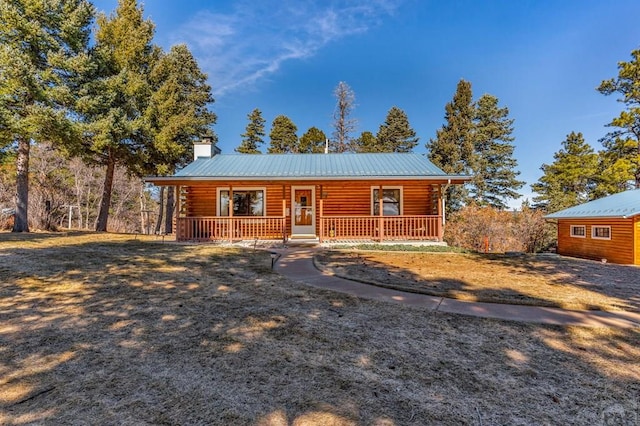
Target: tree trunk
(143, 212)
(160, 211)
(21, 220)
(637, 176)
(105, 203)
(87, 212)
(168, 224)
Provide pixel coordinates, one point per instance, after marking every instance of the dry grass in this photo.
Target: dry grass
(528, 280)
(103, 329)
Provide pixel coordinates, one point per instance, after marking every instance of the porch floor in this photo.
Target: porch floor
(315, 242)
(383, 243)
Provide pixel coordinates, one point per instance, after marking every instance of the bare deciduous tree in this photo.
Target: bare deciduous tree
(343, 123)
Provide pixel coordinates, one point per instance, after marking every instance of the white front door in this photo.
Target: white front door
(303, 220)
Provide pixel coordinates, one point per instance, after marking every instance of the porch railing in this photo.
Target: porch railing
(378, 228)
(230, 228)
(331, 228)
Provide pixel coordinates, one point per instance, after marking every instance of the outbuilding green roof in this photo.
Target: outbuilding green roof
(621, 205)
(313, 166)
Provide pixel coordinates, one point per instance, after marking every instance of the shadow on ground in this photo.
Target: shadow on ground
(131, 332)
(528, 280)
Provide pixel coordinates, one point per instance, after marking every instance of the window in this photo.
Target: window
(601, 232)
(246, 202)
(578, 231)
(391, 201)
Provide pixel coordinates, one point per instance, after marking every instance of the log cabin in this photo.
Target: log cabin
(319, 197)
(607, 229)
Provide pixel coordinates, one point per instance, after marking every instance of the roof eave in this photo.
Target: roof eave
(625, 216)
(451, 179)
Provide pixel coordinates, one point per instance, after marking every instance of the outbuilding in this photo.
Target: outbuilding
(606, 229)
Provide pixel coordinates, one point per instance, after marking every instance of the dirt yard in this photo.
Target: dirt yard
(529, 280)
(107, 329)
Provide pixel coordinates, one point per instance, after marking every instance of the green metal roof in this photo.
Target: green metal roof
(621, 205)
(313, 166)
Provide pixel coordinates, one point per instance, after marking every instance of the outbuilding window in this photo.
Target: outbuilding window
(601, 232)
(578, 231)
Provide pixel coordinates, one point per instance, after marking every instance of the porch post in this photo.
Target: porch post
(176, 217)
(381, 213)
(320, 220)
(230, 227)
(284, 218)
(439, 221)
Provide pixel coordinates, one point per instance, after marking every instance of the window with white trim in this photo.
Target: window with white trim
(391, 201)
(578, 231)
(246, 202)
(601, 232)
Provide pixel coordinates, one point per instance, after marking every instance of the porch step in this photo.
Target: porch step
(303, 237)
(303, 240)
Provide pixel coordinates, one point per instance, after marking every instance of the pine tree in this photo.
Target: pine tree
(177, 115)
(571, 178)
(252, 138)
(42, 47)
(366, 142)
(453, 148)
(116, 95)
(627, 124)
(494, 168)
(313, 141)
(396, 135)
(342, 123)
(178, 111)
(283, 136)
(617, 163)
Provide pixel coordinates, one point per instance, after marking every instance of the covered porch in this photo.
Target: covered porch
(330, 228)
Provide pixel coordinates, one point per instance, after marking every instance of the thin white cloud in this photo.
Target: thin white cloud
(254, 40)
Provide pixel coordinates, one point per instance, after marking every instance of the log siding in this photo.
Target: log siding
(339, 197)
(636, 239)
(621, 247)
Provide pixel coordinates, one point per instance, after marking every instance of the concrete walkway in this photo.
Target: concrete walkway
(297, 264)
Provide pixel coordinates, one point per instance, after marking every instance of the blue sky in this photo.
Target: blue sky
(542, 59)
